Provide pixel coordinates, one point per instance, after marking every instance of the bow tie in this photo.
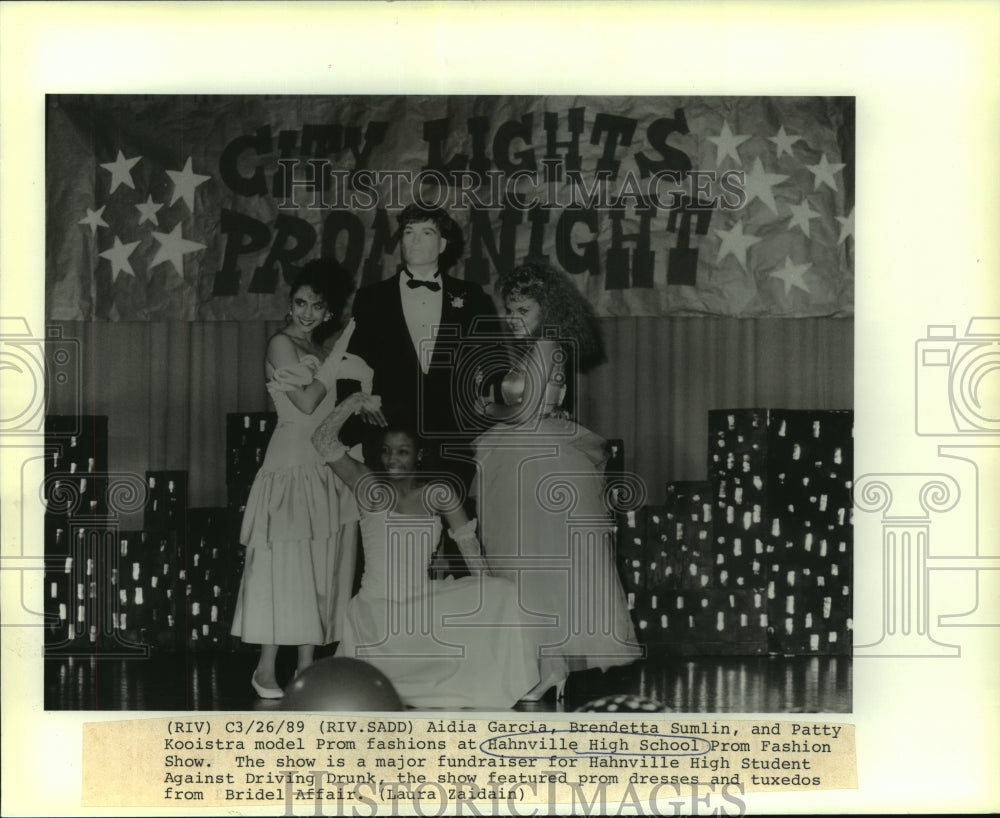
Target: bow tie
(413, 283)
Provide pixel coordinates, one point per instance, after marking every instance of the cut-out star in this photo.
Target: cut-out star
(792, 275)
(147, 211)
(94, 219)
(733, 241)
(784, 141)
(801, 214)
(173, 248)
(846, 226)
(726, 144)
(121, 171)
(185, 181)
(824, 172)
(118, 256)
(758, 184)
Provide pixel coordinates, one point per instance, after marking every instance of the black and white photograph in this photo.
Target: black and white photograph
(397, 395)
(513, 402)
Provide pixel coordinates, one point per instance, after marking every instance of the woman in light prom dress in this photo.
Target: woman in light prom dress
(300, 523)
(543, 514)
(450, 643)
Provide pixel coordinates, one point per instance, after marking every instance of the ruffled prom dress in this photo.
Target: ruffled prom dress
(300, 523)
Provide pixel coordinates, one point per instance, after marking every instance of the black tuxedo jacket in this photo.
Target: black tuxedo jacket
(427, 403)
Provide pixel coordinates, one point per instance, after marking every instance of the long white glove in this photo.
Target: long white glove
(468, 544)
(329, 369)
(326, 438)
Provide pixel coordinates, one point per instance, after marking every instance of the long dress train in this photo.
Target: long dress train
(451, 643)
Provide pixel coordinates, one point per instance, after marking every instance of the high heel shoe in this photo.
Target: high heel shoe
(540, 691)
(265, 692)
(536, 693)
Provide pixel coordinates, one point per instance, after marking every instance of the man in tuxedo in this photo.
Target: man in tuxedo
(417, 330)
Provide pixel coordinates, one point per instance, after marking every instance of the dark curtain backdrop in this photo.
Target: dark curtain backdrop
(167, 387)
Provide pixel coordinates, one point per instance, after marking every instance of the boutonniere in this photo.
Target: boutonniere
(457, 302)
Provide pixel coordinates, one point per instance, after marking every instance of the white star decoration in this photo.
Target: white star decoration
(121, 171)
(846, 226)
(94, 219)
(824, 172)
(733, 241)
(758, 185)
(792, 274)
(784, 141)
(147, 211)
(726, 144)
(118, 256)
(185, 181)
(801, 214)
(173, 248)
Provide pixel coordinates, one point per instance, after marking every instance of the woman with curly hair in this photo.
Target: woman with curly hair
(543, 515)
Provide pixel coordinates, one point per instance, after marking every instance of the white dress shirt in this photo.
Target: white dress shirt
(422, 311)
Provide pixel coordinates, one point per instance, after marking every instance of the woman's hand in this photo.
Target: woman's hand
(483, 399)
(375, 418)
(464, 536)
(483, 403)
(371, 410)
(326, 438)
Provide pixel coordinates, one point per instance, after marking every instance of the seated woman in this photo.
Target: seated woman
(452, 643)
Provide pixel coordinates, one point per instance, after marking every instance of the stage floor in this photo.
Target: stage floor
(701, 684)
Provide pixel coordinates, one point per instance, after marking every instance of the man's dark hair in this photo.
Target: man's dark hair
(445, 224)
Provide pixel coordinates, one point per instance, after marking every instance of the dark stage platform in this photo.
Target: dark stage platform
(702, 684)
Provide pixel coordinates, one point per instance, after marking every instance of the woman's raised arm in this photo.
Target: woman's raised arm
(535, 371)
(327, 441)
(444, 500)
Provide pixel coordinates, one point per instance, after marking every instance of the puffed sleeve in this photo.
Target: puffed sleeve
(294, 377)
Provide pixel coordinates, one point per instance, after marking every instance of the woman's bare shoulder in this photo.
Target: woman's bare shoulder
(283, 350)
